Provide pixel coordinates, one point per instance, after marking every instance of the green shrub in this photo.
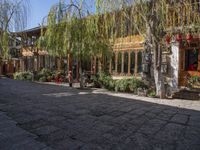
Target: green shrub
(43, 75)
(43, 79)
(135, 84)
(96, 82)
(122, 85)
(152, 93)
(25, 76)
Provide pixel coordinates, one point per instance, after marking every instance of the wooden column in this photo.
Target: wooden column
(122, 66)
(69, 62)
(129, 63)
(91, 65)
(199, 61)
(116, 62)
(110, 67)
(77, 69)
(99, 65)
(136, 63)
(95, 65)
(1, 66)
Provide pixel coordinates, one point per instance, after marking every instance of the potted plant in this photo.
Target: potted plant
(167, 39)
(189, 37)
(194, 82)
(49, 78)
(179, 37)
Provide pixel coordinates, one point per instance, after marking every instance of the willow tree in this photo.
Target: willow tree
(76, 30)
(13, 17)
(148, 19)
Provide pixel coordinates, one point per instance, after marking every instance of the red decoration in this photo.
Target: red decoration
(168, 39)
(179, 37)
(189, 37)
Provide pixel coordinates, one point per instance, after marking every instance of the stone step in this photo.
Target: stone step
(187, 94)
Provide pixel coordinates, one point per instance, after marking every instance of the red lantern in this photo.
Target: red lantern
(189, 37)
(179, 37)
(168, 39)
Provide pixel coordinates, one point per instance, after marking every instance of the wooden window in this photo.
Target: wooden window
(119, 63)
(191, 60)
(132, 69)
(126, 62)
(139, 62)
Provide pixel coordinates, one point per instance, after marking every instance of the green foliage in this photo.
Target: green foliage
(25, 76)
(13, 17)
(194, 81)
(122, 85)
(129, 85)
(152, 93)
(42, 75)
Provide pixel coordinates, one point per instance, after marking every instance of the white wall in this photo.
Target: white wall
(174, 66)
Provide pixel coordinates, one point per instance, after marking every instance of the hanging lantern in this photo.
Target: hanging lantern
(179, 37)
(189, 37)
(168, 39)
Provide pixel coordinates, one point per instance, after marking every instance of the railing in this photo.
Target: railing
(182, 15)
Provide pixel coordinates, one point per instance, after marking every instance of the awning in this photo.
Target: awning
(129, 43)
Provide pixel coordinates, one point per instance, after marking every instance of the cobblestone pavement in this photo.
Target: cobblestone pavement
(44, 117)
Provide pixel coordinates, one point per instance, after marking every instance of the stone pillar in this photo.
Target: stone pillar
(122, 66)
(116, 62)
(129, 63)
(136, 63)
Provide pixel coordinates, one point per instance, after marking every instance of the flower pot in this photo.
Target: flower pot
(179, 37)
(189, 37)
(168, 39)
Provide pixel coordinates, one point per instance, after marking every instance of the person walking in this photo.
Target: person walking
(70, 78)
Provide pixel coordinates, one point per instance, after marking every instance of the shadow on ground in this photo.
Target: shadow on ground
(65, 118)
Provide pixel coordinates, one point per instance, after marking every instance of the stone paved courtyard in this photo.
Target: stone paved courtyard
(46, 117)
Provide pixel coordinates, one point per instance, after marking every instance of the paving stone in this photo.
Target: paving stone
(171, 132)
(45, 130)
(164, 116)
(152, 127)
(68, 144)
(91, 147)
(33, 124)
(178, 118)
(87, 136)
(136, 142)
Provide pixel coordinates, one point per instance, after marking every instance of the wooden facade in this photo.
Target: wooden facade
(127, 53)
(183, 71)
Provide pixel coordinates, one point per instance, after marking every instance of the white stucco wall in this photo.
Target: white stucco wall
(174, 66)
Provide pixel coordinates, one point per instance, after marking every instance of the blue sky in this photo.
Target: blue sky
(38, 10)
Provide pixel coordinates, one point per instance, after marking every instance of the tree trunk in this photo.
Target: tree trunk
(158, 77)
(153, 43)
